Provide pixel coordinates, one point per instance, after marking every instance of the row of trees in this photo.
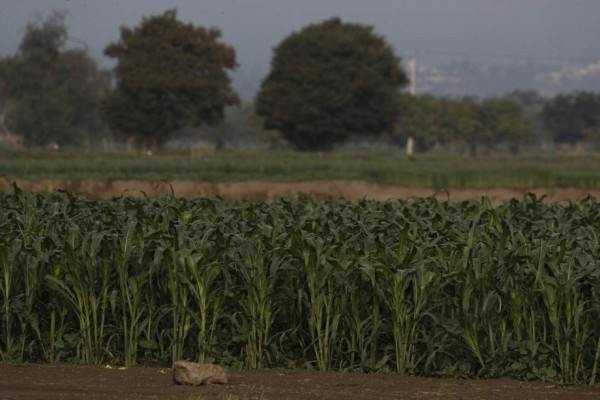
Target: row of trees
(328, 82)
(434, 121)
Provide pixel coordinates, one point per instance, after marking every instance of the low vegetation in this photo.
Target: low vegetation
(387, 168)
(417, 287)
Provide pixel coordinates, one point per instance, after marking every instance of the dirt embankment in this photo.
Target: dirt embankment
(269, 191)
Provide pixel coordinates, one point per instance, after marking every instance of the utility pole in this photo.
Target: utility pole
(412, 71)
(412, 89)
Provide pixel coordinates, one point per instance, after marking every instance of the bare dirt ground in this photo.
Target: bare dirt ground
(37, 381)
(269, 191)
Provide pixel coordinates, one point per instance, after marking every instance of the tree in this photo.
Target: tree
(504, 121)
(168, 75)
(532, 104)
(330, 81)
(426, 120)
(466, 120)
(50, 93)
(569, 117)
(489, 123)
(593, 134)
(430, 120)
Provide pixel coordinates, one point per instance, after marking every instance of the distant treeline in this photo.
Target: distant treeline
(330, 83)
(516, 119)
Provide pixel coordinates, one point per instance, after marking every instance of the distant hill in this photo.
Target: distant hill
(475, 78)
(484, 79)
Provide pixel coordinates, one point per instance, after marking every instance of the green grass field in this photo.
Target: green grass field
(389, 167)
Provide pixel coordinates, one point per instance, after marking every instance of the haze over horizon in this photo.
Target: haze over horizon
(473, 47)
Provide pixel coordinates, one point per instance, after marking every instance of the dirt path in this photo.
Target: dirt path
(37, 381)
(268, 191)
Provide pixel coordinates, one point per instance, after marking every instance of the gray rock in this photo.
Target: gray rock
(194, 374)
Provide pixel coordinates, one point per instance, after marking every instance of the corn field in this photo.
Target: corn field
(417, 287)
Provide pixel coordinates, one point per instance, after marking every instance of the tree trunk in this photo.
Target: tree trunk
(473, 148)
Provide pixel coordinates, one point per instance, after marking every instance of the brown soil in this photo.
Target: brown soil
(269, 191)
(37, 381)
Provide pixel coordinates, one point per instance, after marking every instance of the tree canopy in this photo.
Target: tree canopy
(426, 119)
(168, 75)
(329, 81)
(50, 93)
(430, 121)
(505, 122)
(532, 104)
(572, 118)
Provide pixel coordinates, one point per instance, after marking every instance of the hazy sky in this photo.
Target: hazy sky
(538, 30)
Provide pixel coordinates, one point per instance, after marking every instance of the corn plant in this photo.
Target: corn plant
(85, 285)
(127, 249)
(321, 300)
(419, 286)
(8, 254)
(258, 279)
(201, 277)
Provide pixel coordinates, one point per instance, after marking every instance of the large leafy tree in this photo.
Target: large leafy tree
(50, 93)
(330, 81)
(169, 75)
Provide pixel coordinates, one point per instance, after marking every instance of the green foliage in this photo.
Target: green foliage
(419, 286)
(522, 171)
(169, 75)
(570, 117)
(426, 119)
(532, 104)
(437, 121)
(329, 81)
(505, 122)
(51, 93)
(593, 134)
